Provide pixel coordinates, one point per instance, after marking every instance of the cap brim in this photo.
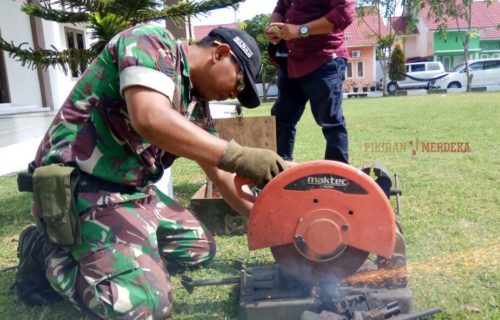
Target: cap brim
(249, 98)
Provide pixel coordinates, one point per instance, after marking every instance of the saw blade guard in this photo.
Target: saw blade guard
(322, 207)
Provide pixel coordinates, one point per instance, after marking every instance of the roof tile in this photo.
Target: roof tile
(483, 16)
(363, 31)
(202, 31)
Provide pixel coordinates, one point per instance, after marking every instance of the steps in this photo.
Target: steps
(11, 109)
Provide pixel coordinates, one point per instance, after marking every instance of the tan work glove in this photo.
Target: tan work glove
(258, 165)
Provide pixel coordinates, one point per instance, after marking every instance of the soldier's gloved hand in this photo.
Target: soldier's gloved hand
(258, 165)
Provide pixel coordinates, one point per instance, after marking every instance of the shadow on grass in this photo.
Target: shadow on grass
(12, 308)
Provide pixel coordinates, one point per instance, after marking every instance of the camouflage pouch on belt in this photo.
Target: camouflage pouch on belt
(54, 197)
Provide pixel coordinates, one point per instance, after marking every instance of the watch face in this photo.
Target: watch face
(304, 29)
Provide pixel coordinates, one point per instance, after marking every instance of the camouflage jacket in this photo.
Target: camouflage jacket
(92, 130)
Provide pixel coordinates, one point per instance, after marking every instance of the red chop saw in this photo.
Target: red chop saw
(321, 220)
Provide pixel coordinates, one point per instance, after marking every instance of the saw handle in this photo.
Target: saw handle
(239, 182)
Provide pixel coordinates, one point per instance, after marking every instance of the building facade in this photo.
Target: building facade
(361, 37)
(29, 89)
(24, 87)
(427, 43)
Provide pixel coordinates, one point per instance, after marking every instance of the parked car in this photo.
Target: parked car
(418, 70)
(485, 72)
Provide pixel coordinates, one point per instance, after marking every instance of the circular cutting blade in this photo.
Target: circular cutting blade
(295, 265)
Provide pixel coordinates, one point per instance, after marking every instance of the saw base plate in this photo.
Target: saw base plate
(270, 295)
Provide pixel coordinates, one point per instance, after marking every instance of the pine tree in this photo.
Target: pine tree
(104, 19)
(397, 67)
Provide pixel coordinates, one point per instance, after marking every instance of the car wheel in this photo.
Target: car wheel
(454, 85)
(392, 86)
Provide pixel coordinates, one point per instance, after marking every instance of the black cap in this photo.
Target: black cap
(246, 51)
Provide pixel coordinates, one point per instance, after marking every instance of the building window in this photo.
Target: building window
(361, 69)
(484, 56)
(348, 70)
(446, 63)
(75, 40)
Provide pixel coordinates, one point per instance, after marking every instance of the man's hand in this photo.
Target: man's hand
(272, 34)
(258, 165)
(287, 31)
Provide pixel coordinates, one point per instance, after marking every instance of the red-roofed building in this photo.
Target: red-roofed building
(427, 43)
(417, 44)
(202, 31)
(362, 43)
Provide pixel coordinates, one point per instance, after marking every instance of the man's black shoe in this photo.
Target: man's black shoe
(31, 285)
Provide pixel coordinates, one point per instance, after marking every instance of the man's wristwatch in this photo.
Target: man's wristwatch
(304, 31)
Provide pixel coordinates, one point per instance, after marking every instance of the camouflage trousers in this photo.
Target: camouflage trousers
(119, 270)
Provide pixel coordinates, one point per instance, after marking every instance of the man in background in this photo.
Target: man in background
(314, 69)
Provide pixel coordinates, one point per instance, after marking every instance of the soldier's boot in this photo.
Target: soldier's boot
(31, 285)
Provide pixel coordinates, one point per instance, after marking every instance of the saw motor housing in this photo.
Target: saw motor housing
(321, 219)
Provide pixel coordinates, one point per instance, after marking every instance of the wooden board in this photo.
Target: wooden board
(258, 132)
(216, 214)
(210, 208)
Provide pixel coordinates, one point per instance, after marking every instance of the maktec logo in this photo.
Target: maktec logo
(330, 181)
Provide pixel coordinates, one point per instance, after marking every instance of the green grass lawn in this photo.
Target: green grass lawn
(450, 207)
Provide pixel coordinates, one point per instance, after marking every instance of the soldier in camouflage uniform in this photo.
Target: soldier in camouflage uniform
(138, 106)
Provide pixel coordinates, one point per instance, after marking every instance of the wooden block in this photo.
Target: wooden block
(206, 203)
(258, 132)
(216, 214)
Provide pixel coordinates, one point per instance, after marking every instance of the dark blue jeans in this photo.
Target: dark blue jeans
(323, 88)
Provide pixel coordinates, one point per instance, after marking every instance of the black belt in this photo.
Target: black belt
(89, 183)
(86, 183)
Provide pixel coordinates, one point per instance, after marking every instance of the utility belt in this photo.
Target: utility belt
(85, 183)
(54, 190)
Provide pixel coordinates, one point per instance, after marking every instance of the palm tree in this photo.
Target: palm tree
(104, 19)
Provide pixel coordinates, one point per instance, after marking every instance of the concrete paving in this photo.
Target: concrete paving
(10, 109)
(20, 135)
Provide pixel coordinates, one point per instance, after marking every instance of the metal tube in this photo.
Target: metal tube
(189, 283)
(392, 312)
(398, 197)
(214, 282)
(418, 314)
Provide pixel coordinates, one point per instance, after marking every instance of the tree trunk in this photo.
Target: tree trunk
(466, 46)
(265, 86)
(265, 90)
(467, 69)
(383, 65)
